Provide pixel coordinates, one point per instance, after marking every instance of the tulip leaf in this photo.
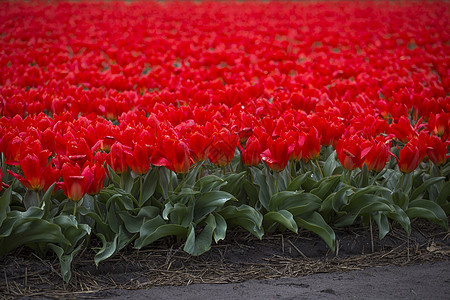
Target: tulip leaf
(424, 186)
(264, 190)
(444, 194)
(199, 244)
(330, 164)
(326, 186)
(400, 216)
(401, 199)
(362, 205)
(296, 203)
(155, 229)
(302, 182)
(149, 185)
(179, 214)
(209, 183)
(114, 177)
(427, 209)
(234, 183)
(383, 224)
(32, 231)
(108, 248)
(252, 193)
(245, 216)
(364, 176)
(317, 224)
(368, 190)
(5, 200)
(282, 217)
(65, 260)
(209, 202)
(221, 228)
(341, 198)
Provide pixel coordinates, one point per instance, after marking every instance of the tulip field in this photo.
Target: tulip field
(123, 123)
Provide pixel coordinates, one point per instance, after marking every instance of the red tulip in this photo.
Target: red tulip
(174, 155)
(348, 151)
(222, 148)
(278, 154)
(116, 158)
(251, 155)
(409, 157)
(139, 159)
(74, 184)
(403, 129)
(310, 144)
(38, 173)
(95, 177)
(375, 154)
(437, 150)
(199, 146)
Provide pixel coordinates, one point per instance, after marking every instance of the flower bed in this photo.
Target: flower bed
(131, 122)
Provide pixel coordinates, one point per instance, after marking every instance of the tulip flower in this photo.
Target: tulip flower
(95, 177)
(116, 158)
(310, 144)
(437, 150)
(278, 154)
(251, 155)
(222, 148)
(403, 129)
(38, 174)
(375, 154)
(174, 155)
(199, 146)
(348, 151)
(74, 183)
(139, 159)
(409, 157)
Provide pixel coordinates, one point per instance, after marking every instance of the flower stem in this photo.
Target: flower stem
(37, 197)
(276, 183)
(97, 206)
(141, 183)
(350, 177)
(75, 209)
(290, 170)
(200, 172)
(170, 182)
(318, 166)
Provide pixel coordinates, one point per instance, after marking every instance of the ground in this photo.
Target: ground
(280, 266)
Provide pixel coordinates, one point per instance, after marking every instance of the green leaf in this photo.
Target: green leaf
(427, 209)
(364, 176)
(264, 190)
(252, 193)
(5, 200)
(295, 202)
(31, 231)
(108, 248)
(179, 214)
(317, 224)
(330, 165)
(114, 177)
(400, 216)
(209, 202)
(401, 199)
(112, 218)
(155, 229)
(221, 228)
(361, 205)
(234, 183)
(209, 183)
(444, 194)
(341, 198)
(282, 217)
(196, 245)
(65, 260)
(368, 190)
(326, 186)
(46, 201)
(300, 181)
(424, 186)
(383, 224)
(245, 216)
(149, 184)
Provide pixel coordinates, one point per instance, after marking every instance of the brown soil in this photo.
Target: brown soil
(280, 266)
